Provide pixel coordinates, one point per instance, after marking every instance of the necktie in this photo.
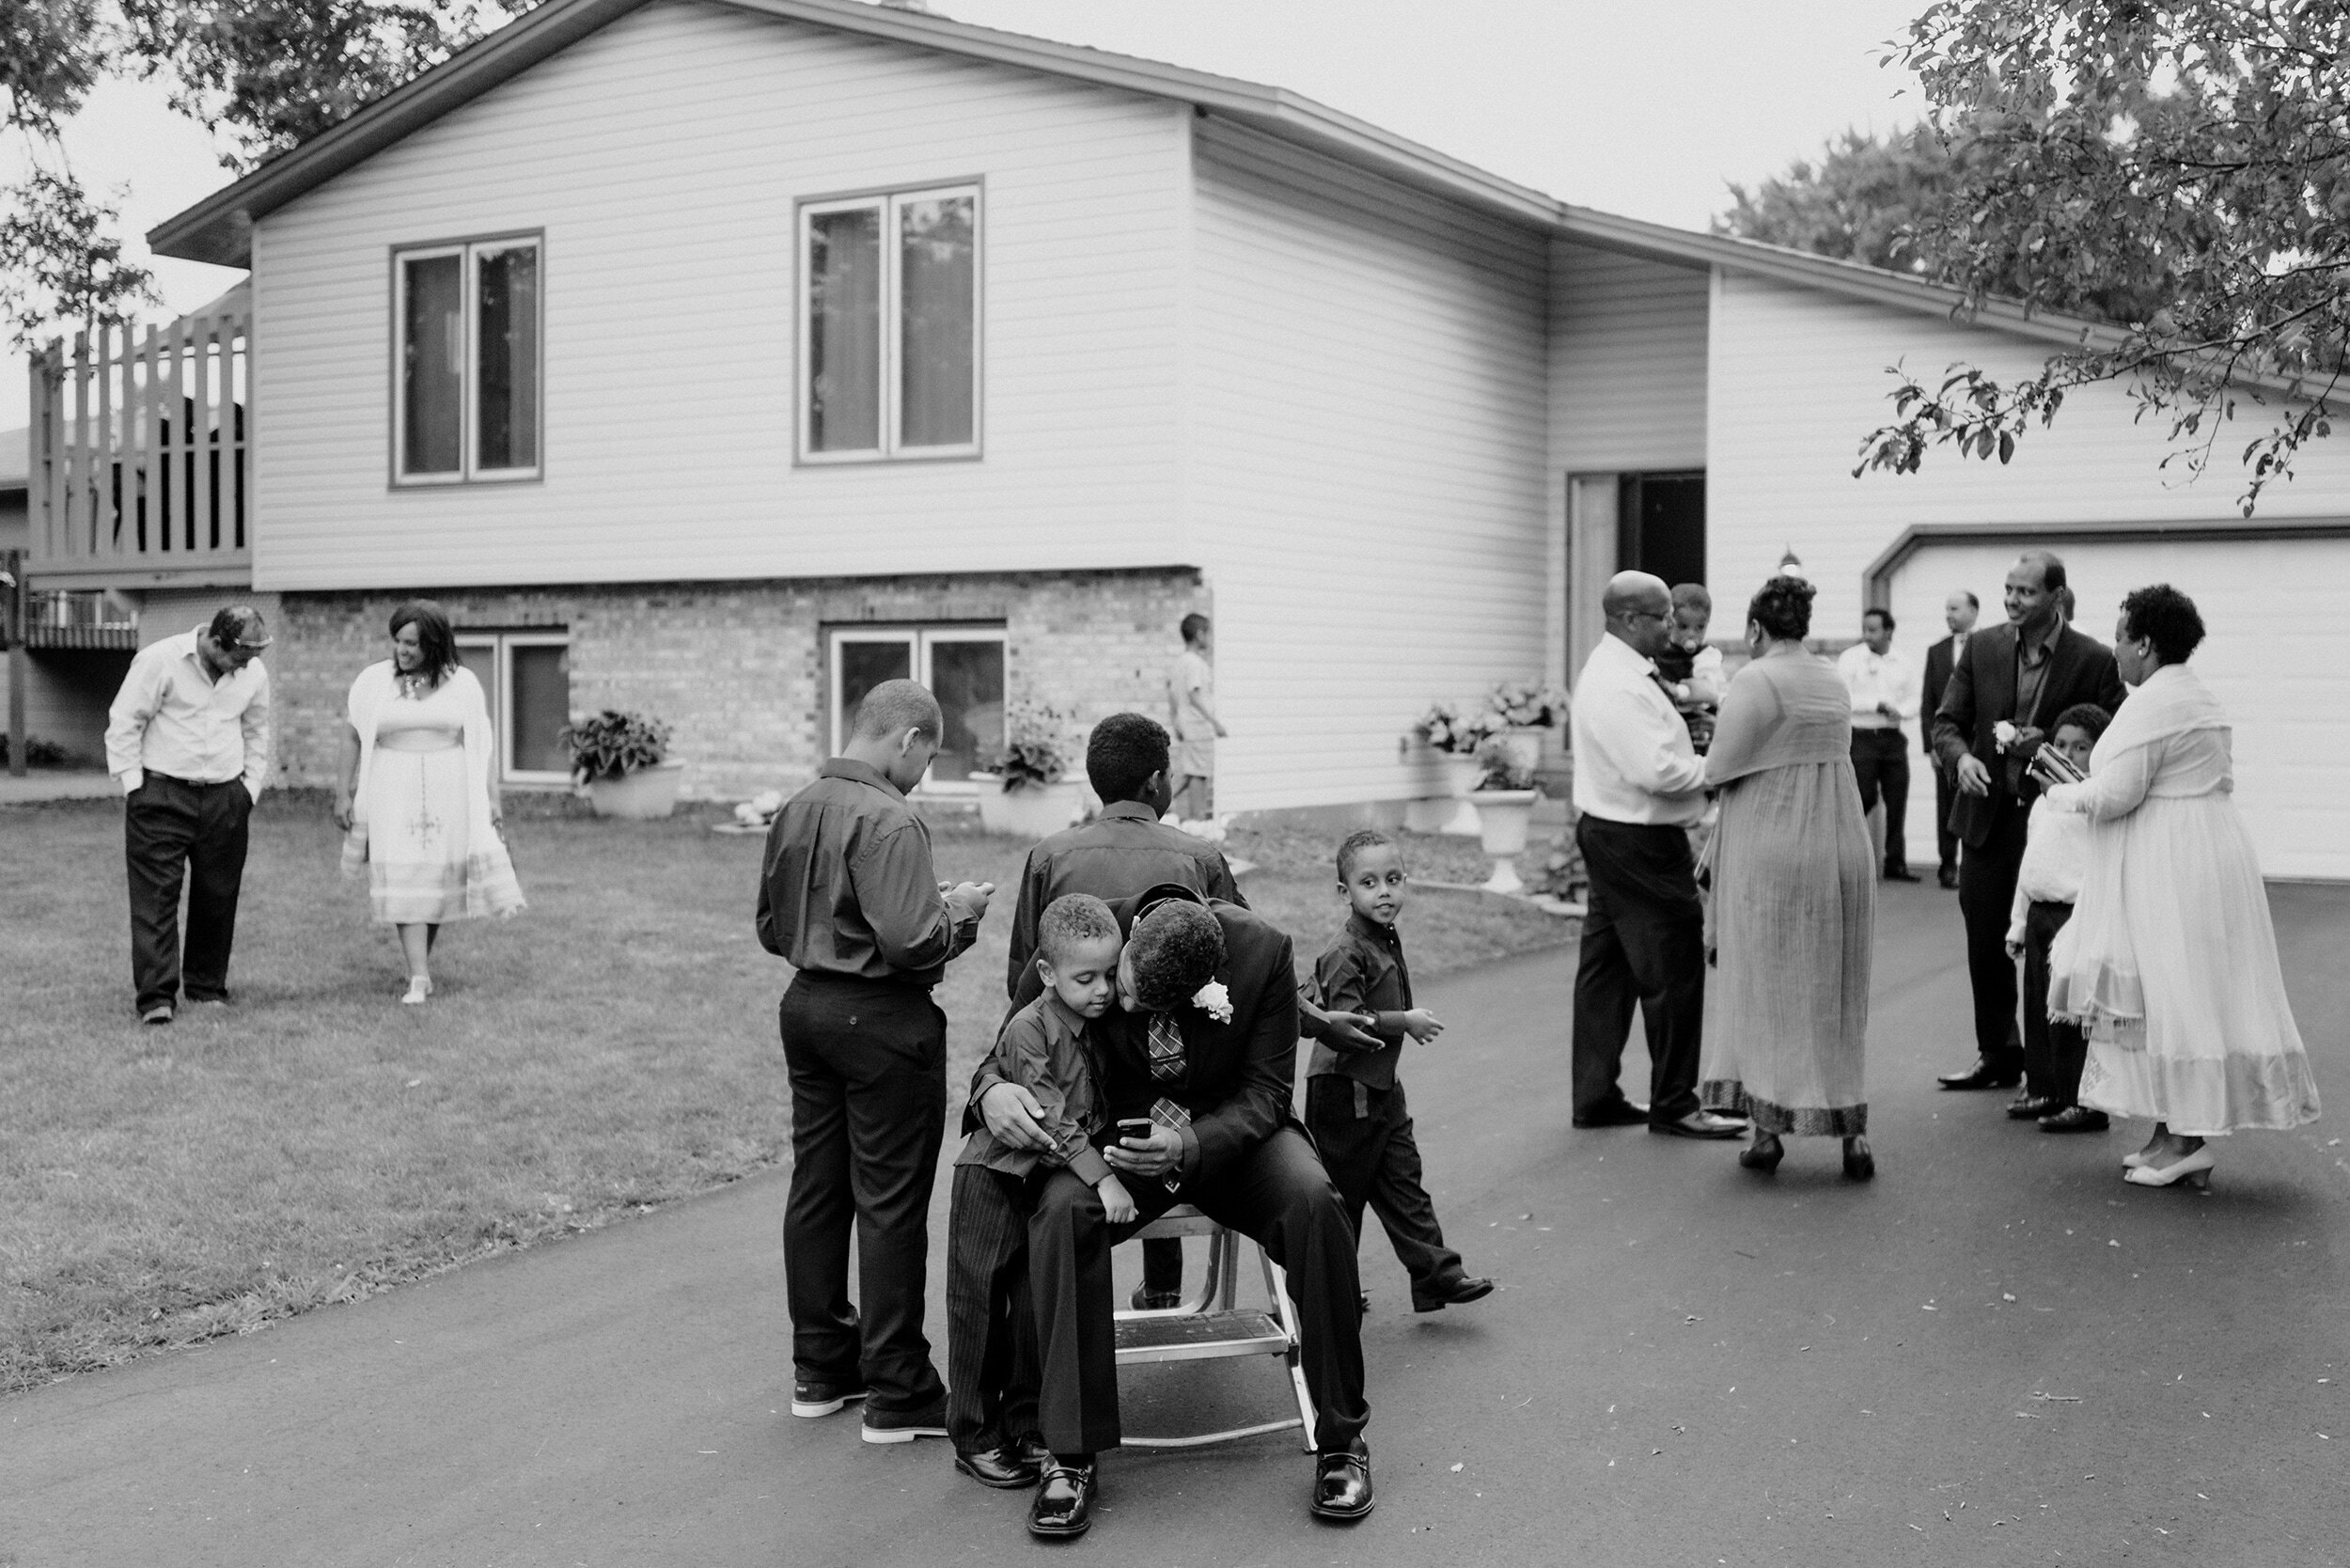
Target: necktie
(1166, 1069)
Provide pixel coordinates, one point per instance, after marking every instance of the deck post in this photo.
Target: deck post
(12, 634)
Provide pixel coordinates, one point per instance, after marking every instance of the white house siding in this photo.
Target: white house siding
(1799, 379)
(662, 158)
(1366, 487)
(2277, 644)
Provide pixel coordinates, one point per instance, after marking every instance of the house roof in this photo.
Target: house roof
(219, 228)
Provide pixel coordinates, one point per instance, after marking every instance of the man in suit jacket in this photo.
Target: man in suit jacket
(1214, 1076)
(1958, 613)
(2024, 673)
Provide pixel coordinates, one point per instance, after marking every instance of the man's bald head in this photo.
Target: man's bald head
(1639, 609)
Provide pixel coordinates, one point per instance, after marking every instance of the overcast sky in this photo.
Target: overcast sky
(1648, 110)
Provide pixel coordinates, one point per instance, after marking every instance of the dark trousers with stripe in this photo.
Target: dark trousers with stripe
(2054, 1052)
(1277, 1193)
(172, 830)
(1365, 1138)
(1643, 943)
(991, 1326)
(867, 1066)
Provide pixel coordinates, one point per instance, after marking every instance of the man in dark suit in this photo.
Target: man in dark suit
(1958, 613)
(2022, 674)
(1213, 1076)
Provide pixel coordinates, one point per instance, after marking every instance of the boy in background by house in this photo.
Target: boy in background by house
(1354, 1106)
(1691, 669)
(2056, 855)
(1191, 705)
(1046, 1049)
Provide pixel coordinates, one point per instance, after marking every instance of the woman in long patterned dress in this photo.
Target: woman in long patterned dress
(2169, 961)
(417, 798)
(1794, 896)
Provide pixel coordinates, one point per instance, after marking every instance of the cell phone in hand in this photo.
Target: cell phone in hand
(1134, 1126)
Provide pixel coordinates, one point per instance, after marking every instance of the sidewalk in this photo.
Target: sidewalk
(42, 784)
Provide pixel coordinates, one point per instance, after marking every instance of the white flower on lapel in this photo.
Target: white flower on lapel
(2004, 734)
(1213, 1001)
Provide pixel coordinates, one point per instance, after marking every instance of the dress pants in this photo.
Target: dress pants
(2053, 1051)
(1644, 943)
(991, 1327)
(867, 1066)
(1880, 760)
(1986, 898)
(171, 827)
(1364, 1136)
(1277, 1193)
(1945, 800)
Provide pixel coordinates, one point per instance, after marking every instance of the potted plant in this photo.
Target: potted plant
(1520, 713)
(1454, 738)
(1021, 792)
(623, 760)
(1505, 805)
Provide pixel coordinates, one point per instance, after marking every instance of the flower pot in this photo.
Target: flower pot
(1502, 818)
(1524, 742)
(646, 794)
(1461, 771)
(1032, 812)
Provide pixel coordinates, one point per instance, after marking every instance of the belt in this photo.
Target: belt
(192, 783)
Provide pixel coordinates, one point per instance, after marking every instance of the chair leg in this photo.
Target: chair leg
(1277, 1280)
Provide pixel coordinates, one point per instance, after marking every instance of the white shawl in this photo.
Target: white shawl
(377, 686)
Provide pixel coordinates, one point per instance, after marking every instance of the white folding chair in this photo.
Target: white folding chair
(1209, 1326)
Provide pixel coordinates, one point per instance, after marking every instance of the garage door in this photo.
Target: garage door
(2276, 655)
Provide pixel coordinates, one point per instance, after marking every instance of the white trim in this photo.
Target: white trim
(501, 695)
(469, 254)
(401, 260)
(919, 641)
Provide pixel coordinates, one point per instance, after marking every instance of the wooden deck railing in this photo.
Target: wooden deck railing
(138, 454)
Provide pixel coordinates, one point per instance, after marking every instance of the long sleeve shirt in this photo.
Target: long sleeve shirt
(1877, 678)
(1633, 760)
(1122, 853)
(1364, 971)
(848, 887)
(2056, 858)
(172, 716)
(1044, 1048)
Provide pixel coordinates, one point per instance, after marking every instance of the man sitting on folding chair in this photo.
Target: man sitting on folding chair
(1205, 1046)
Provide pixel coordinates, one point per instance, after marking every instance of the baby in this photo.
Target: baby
(1691, 670)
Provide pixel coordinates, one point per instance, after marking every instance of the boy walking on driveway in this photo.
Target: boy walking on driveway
(1354, 1106)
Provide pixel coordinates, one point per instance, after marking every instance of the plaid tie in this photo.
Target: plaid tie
(1168, 1067)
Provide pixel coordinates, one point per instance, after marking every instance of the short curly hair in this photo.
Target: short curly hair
(1122, 753)
(1782, 607)
(2084, 716)
(1072, 919)
(1174, 951)
(2164, 617)
(1356, 845)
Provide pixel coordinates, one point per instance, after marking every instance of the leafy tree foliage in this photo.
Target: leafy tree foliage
(1862, 202)
(268, 73)
(2187, 163)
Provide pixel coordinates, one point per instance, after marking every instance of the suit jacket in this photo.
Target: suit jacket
(1937, 681)
(1239, 1076)
(1982, 692)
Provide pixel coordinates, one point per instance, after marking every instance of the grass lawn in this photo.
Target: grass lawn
(612, 1049)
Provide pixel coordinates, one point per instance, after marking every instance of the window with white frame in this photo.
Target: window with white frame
(963, 665)
(466, 361)
(527, 676)
(889, 326)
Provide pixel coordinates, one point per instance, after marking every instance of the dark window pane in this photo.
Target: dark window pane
(968, 679)
(844, 331)
(431, 345)
(864, 665)
(506, 402)
(938, 304)
(482, 659)
(541, 707)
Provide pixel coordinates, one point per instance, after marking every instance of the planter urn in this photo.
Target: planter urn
(1502, 816)
(644, 795)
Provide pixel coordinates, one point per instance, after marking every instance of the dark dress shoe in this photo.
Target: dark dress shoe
(1985, 1074)
(1948, 877)
(1032, 1450)
(1064, 1501)
(1342, 1484)
(2028, 1107)
(1001, 1467)
(2075, 1119)
(1145, 1299)
(1623, 1113)
(1701, 1124)
(1900, 873)
(1456, 1292)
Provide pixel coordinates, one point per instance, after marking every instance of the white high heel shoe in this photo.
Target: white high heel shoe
(2194, 1170)
(420, 987)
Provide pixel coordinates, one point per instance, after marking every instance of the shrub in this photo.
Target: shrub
(1035, 747)
(614, 744)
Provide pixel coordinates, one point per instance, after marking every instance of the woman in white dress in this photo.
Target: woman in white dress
(417, 798)
(2169, 961)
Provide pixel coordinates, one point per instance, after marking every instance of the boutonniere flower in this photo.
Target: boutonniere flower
(1213, 1001)
(2004, 734)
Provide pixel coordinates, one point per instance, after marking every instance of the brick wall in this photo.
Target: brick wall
(739, 668)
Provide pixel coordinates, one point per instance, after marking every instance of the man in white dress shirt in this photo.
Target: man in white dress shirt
(188, 739)
(1884, 692)
(1637, 787)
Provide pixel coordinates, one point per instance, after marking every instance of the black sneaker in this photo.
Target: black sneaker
(904, 1426)
(815, 1397)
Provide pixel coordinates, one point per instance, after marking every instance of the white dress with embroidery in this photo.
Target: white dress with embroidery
(424, 864)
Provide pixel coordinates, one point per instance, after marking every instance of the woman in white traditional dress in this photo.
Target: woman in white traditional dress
(1793, 905)
(2169, 961)
(418, 799)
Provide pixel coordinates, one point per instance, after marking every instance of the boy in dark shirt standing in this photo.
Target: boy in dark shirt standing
(1354, 1106)
(1046, 1049)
